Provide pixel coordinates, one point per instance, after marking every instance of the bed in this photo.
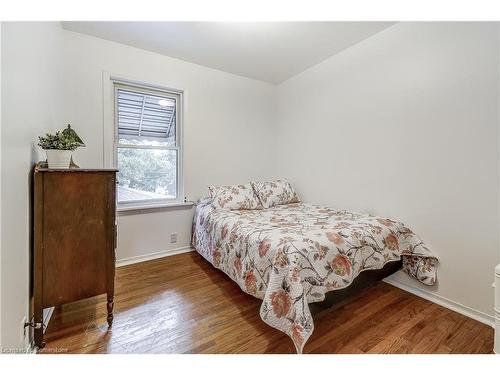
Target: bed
(292, 255)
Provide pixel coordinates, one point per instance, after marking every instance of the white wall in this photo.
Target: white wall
(228, 128)
(405, 124)
(31, 102)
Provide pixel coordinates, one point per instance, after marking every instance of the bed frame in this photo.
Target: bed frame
(364, 280)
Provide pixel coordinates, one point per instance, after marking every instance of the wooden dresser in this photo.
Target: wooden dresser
(74, 238)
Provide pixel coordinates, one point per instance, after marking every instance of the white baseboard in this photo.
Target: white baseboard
(31, 348)
(146, 257)
(452, 305)
(47, 314)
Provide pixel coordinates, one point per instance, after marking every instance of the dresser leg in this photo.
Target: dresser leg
(38, 323)
(110, 306)
(38, 336)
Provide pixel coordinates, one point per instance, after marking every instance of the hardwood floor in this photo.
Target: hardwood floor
(181, 304)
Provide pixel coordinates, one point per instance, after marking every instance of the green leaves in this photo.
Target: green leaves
(147, 170)
(65, 140)
(71, 135)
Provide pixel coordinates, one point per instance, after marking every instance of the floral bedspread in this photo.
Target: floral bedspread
(291, 255)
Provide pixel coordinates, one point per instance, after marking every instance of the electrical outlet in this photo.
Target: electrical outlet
(173, 237)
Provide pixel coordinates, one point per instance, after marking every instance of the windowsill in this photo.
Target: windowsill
(140, 206)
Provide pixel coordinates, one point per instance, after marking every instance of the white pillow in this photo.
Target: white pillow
(274, 193)
(234, 197)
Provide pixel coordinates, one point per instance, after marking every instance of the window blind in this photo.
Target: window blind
(145, 116)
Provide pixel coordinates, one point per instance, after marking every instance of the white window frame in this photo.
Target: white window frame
(111, 84)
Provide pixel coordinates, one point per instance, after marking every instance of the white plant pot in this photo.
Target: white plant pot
(58, 158)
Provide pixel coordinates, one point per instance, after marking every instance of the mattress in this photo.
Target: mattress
(291, 255)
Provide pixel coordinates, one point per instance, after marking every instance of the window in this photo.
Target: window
(147, 145)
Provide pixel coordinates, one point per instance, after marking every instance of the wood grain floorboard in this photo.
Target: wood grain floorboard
(181, 304)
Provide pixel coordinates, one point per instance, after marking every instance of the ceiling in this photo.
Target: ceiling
(267, 51)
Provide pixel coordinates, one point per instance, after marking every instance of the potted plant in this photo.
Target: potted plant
(60, 146)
